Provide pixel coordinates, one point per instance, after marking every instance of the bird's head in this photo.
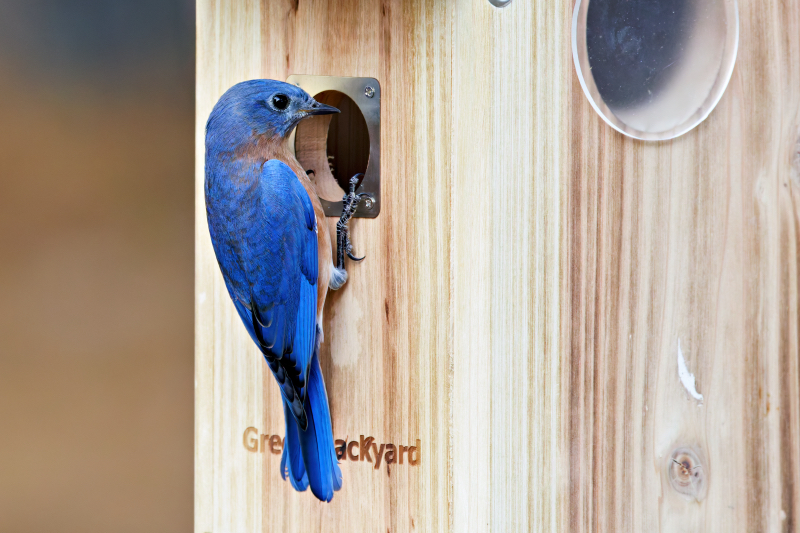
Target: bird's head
(264, 107)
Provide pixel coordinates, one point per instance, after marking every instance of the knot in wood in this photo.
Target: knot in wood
(687, 474)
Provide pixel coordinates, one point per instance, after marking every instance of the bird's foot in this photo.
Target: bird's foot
(349, 206)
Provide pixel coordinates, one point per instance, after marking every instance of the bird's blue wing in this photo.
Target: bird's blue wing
(271, 271)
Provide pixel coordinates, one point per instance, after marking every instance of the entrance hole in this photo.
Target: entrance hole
(335, 147)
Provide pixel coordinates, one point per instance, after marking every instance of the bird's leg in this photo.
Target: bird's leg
(349, 205)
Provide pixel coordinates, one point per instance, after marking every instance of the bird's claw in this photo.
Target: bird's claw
(350, 203)
(354, 258)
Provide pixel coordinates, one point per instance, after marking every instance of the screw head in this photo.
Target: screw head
(369, 91)
(368, 203)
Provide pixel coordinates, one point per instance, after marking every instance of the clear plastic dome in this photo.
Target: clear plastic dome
(654, 69)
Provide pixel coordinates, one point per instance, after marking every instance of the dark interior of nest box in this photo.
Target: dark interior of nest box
(335, 147)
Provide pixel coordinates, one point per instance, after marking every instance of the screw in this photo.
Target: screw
(368, 202)
(369, 92)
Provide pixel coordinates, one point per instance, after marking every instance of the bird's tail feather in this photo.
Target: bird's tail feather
(292, 460)
(319, 454)
(309, 457)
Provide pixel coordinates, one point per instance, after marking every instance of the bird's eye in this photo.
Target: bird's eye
(280, 102)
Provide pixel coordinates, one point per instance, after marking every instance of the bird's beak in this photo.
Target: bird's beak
(317, 108)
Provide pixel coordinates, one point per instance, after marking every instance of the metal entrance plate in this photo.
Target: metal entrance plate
(365, 93)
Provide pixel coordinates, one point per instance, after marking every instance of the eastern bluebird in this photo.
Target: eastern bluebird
(269, 234)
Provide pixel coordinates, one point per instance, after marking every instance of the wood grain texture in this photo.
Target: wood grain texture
(690, 243)
(527, 287)
(507, 220)
(387, 356)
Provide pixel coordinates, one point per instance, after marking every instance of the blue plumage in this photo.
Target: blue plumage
(264, 230)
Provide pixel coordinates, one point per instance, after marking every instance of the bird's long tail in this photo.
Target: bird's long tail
(292, 465)
(309, 457)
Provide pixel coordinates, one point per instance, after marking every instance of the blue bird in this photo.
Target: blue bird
(271, 241)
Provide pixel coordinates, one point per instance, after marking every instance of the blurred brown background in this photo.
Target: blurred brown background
(96, 265)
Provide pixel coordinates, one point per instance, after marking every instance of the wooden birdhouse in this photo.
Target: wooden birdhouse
(573, 315)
